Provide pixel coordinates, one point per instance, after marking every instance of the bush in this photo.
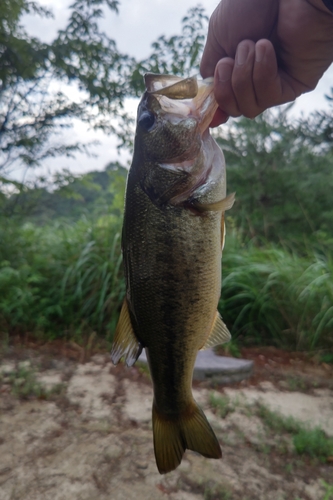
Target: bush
(313, 442)
(61, 279)
(272, 295)
(67, 279)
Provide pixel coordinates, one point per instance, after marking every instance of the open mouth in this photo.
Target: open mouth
(184, 97)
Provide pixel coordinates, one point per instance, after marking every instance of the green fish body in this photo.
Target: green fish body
(172, 242)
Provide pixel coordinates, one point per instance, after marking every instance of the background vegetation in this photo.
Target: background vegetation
(60, 258)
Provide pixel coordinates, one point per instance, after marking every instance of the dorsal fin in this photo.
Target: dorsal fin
(219, 333)
(125, 342)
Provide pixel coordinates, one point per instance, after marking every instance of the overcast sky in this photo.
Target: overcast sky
(137, 25)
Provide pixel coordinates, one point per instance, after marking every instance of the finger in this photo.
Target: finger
(223, 90)
(272, 86)
(219, 118)
(242, 80)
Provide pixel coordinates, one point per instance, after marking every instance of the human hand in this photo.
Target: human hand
(265, 52)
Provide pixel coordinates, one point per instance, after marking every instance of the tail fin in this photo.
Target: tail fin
(172, 437)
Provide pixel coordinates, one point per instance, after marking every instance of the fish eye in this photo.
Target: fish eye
(146, 120)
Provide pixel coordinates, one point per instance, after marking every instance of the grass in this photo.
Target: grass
(143, 368)
(66, 280)
(311, 442)
(232, 348)
(25, 385)
(328, 491)
(217, 492)
(222, 404)
(61, 280)
(276, 422)
(296, 383)
(207, 489)
(273, 295)
(327, 357)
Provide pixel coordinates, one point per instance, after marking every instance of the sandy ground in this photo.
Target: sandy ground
(83, 431)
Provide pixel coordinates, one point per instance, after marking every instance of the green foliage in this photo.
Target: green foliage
(177, 55)
(25, 384)
(295, 383)
(271, 295)
(35, 78)
(327, 357)
(277, 422)
(94, 194)
(222, 404)
(231, 348)
(314, 443)
(214, 491)
(66, 277)
(38, 80)
(61, 280)
(283, 182)
(328, 491)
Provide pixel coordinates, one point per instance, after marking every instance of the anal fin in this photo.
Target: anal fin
(219, 333)
(125, 342)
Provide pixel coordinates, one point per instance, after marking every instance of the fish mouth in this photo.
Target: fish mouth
(184, 97)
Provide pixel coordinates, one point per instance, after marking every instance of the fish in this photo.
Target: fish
(172, 242)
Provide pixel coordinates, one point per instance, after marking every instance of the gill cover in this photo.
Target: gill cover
(173, 150)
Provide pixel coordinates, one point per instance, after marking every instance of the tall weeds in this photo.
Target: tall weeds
(61, 280)
(67, 280)
(274, 295)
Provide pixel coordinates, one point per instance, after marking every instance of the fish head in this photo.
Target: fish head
(173, 115)
(172, 124)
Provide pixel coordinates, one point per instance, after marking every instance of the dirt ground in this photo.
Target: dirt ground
(82, 430)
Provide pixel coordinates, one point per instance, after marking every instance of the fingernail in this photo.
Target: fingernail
(224, 72)
(241, 54)
(260, 51)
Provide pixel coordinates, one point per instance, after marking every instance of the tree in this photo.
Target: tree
(318, 131)
(35, 78)
(178, 54)
(92, 195)
(283, 183)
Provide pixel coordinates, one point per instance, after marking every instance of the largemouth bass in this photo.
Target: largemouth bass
(172, 243)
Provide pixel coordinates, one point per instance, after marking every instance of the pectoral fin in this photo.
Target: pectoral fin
(219, 333)
(221, 205)
(222, 232)
(125, 342)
